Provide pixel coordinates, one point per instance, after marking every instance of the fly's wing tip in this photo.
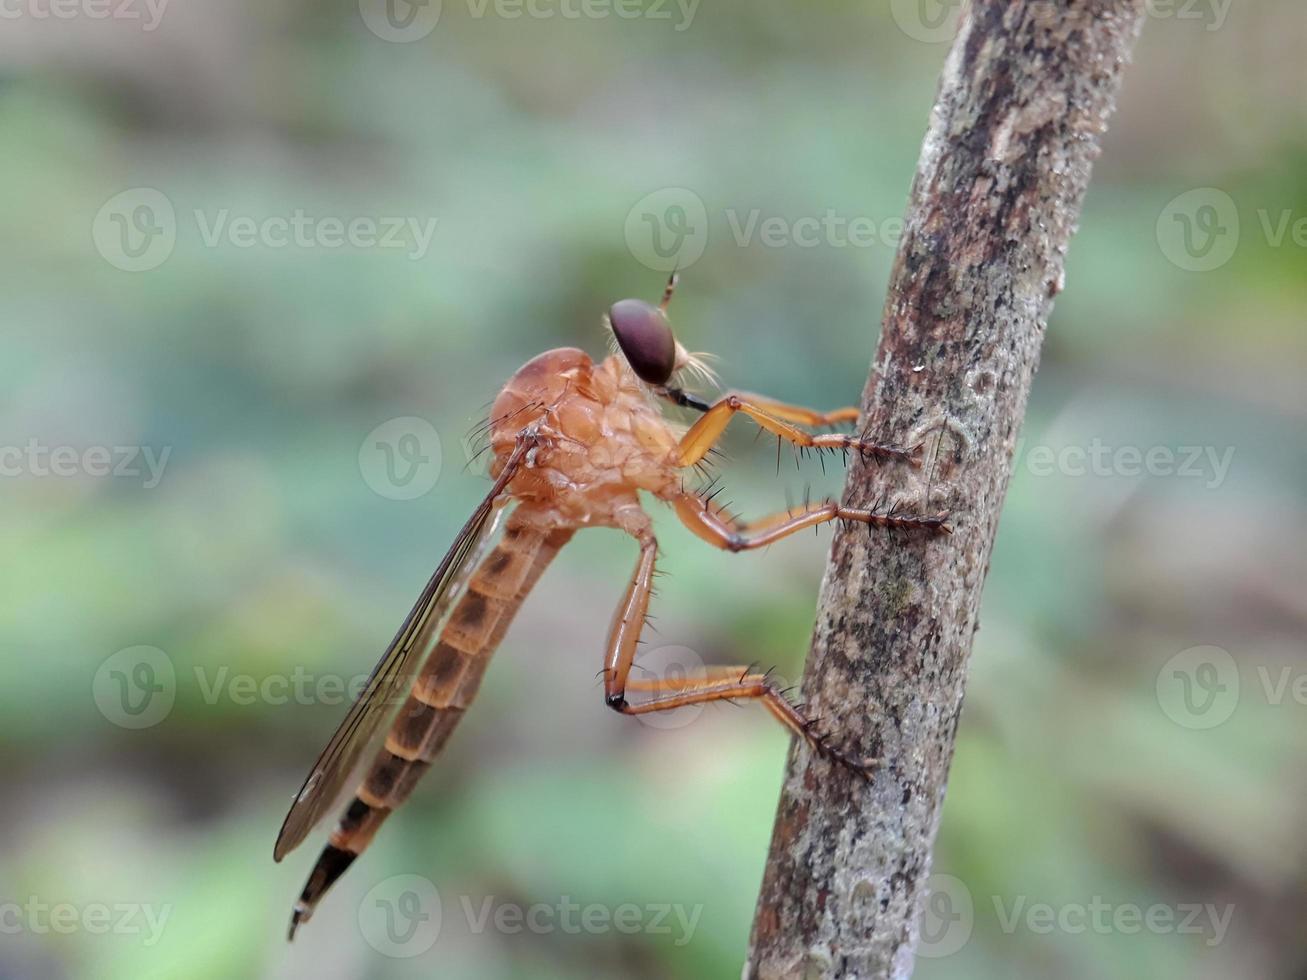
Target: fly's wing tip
(287, 841)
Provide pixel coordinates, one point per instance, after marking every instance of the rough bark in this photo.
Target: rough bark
(1023, 102)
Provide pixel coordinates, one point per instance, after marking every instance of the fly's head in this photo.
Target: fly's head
(644, 336)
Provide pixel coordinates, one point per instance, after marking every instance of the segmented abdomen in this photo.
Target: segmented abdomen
(440, 694)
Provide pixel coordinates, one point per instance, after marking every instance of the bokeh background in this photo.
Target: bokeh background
(233, 451)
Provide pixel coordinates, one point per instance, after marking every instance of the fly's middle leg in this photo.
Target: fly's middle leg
(717, 529)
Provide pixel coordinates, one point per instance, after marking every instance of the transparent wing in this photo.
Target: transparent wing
(375, 702)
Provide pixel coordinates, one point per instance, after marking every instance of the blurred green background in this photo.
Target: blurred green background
(176, 638)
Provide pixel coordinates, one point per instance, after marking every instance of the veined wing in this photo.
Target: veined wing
(377, 700)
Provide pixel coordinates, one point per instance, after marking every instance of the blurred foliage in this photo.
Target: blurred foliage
(263, 550)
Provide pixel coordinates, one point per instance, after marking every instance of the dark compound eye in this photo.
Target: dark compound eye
(646, 339)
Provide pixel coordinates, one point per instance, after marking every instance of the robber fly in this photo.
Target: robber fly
(573, 443)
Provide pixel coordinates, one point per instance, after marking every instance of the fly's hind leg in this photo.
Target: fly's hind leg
(736, 683)
(628, 623)
(783, 421)
(720, 684)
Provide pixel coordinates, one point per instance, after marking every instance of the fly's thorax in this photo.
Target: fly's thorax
(602, 436)
(613, 438)
(538, 385)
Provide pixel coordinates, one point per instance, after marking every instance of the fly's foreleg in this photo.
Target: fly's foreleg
(783, 421)
(800, 415)
(719, 530)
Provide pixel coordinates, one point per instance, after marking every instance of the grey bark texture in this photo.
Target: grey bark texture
(1024, 100)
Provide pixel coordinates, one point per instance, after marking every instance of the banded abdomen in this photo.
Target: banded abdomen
(440, 693)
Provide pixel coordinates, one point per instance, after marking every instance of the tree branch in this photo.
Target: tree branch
(1023, 102)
